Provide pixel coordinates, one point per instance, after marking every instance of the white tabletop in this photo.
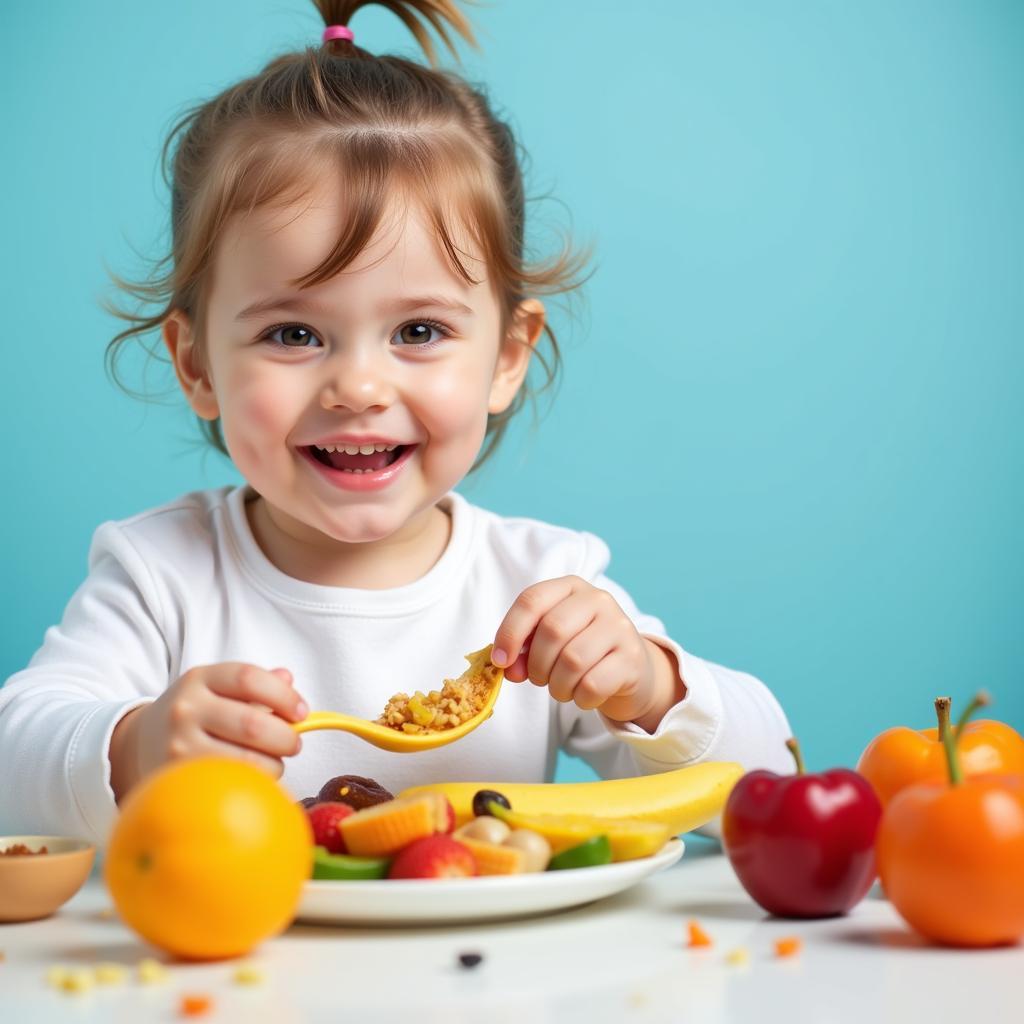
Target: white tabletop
(620, 959)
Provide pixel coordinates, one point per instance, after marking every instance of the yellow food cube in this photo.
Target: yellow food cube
(738, 957)
(151, 971)
(248, 975)
(55, 975)
(109, 974)
(77, 979)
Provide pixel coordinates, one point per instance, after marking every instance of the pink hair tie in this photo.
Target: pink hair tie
(338, 32)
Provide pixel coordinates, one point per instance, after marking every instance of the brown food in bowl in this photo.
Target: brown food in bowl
(355, 790)
(20, 849)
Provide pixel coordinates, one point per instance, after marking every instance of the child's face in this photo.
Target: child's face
(354, 358)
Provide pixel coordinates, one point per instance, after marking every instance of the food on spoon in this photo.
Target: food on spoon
(326, 818)
(455, 703)
(355, 790)
(682, 799)
(803, 845)
(590, 853)
(382, 830)
(436, 856)
(629, 838)
(900, 756)
(345, 867)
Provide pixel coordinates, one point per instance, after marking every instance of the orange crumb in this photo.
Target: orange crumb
(3, 956)
(697, 938)
(788, 946)
(195, 1005)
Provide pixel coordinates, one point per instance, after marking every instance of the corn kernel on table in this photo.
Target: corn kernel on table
(622, 959)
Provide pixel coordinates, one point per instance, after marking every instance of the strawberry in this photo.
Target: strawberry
(436, 856)
(325, 817)
(445, 815)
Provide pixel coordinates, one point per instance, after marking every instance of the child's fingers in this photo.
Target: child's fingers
(254, 685)
(575, 663)
(526, 612)
(273, 766)
(249, 726)
(556, 633)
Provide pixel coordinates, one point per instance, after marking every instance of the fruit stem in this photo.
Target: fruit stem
(942, 705)
(794, 749)
(956, 775)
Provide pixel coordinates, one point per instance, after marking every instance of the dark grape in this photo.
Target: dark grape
(483, 797)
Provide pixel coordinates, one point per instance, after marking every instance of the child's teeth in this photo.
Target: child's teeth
(353, 449)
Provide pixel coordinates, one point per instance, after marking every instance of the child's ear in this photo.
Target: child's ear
(195, 382)
(514, 356)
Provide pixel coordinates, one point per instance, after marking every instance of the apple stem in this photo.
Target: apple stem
(956, 775)
(794, 749)
(942, 706)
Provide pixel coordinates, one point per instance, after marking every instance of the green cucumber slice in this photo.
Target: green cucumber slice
(334, 866)
(589, 854)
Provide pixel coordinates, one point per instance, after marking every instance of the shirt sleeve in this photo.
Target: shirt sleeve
(725, 715)
(107, 656)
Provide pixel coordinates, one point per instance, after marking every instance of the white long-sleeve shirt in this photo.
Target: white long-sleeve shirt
(186, 584)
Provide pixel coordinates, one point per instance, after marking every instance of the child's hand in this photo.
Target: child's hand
(214, 709)
(574, 639)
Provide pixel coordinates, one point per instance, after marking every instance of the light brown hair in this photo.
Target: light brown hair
(382, 122)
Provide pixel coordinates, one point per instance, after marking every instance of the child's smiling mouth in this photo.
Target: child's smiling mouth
(366, 458)
(354, 468)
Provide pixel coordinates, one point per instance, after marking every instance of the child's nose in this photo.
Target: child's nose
(358, 383)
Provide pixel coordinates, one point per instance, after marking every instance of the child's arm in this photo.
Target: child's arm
(94, 711)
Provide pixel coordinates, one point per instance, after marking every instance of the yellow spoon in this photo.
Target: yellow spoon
(405, 742)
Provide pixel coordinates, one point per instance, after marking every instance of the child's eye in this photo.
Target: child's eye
(291, 336)
(417, 334)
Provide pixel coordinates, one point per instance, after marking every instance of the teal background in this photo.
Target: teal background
(791, 401)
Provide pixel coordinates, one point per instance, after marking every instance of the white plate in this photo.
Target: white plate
(474, 899)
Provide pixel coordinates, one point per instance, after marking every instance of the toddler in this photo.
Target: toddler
(351, 318)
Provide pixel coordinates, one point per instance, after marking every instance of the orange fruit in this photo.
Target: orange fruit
(208, 857)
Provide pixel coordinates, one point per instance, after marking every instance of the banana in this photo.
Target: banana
(682, 799)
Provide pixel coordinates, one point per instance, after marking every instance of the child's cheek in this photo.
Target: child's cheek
(455, 411)
(256, 419)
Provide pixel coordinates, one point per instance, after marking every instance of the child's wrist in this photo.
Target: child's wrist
(667, 687)
(124, 754)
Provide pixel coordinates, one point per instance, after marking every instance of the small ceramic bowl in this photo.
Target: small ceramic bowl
(34, 885)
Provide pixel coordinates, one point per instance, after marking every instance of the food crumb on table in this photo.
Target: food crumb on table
(247, 974)
(109, 974)
(107, 914)
(788, 946)
(151, 971)
(195, 1004)
(55, 975)
(470, 960)
(696, 937)
(77, 979)
(738, 957)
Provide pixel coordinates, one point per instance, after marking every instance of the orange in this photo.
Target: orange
(208, 857)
